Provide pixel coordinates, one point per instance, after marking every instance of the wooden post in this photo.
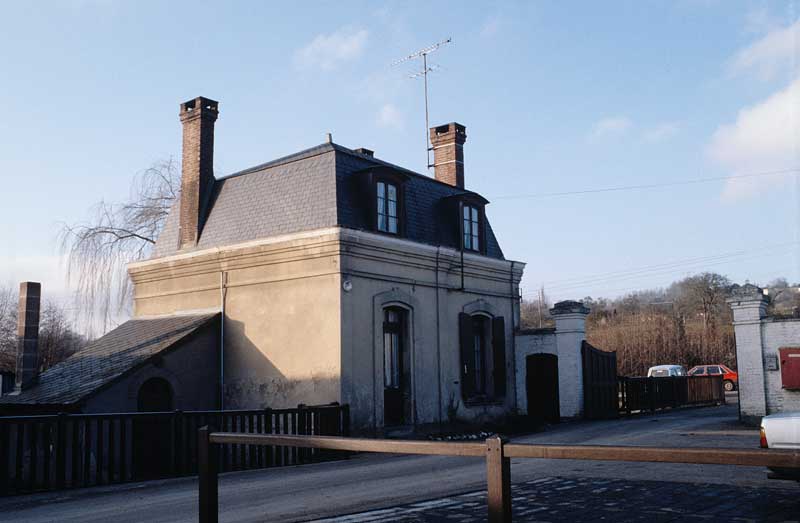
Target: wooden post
(498, 481)
(207, 469)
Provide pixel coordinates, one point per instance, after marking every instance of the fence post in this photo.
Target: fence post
(61, 451)
(207, 470)
(498, 481)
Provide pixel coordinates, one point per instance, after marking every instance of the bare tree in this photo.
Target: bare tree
(57, 339)
(99, 249)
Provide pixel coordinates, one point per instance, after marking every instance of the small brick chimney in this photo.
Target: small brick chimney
(197, 177)
(28, 334)
(448, 153)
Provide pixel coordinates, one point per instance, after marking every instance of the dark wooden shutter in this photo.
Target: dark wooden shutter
(499, 356)
(466, 338)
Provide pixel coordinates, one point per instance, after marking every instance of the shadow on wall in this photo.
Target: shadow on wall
(252, 381)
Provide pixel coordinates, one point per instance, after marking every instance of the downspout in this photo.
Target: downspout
(513, 334)
(223, 280)
(438, 340)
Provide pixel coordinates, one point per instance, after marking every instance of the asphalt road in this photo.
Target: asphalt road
(368, 482)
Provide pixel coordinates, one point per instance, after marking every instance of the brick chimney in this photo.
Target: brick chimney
(197, 177)
(28, 334)
(448, 153)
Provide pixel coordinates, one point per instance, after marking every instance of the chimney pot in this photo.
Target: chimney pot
(197, 176)
(447, 142)
(27, 371)
(365, 152)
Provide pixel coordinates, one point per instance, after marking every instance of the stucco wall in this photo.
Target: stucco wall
(282, 321)
(191, 368)
(426, 281)
(294, 333)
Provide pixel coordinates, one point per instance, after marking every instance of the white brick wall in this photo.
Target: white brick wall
(758, 339)
(565, 342)
(777, 334)
(542, 341)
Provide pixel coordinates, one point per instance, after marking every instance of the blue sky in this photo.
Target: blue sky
(556, 96)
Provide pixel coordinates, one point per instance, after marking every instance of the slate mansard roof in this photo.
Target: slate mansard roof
(108, 358)
(314, 189)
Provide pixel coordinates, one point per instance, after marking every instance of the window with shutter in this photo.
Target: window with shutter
(466, 338)
(499, 356)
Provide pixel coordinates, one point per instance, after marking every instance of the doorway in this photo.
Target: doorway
(541, 382)
(396, 366)
(153, 436)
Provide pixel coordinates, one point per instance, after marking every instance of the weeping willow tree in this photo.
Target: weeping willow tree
(98, 250)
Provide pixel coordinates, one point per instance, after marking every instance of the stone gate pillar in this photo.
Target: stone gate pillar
(749, 306)
(570, 318)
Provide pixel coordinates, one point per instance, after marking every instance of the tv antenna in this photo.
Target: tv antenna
(423, 53)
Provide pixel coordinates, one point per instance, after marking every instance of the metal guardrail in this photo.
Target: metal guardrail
(495, 450)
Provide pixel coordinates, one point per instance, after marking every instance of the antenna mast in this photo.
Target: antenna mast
(423, 53)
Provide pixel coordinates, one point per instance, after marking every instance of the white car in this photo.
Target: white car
(666, 371)
(782, 431)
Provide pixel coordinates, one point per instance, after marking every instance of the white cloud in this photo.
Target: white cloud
(777, 51)
(661, 132)
(329, 51)
(390, 116)
(765, 137)
(612, 126)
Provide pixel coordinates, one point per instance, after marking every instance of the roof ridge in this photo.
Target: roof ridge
(283, 160)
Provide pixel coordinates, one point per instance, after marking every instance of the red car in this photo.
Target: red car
(730, 377)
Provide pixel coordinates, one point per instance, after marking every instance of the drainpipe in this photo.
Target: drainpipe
(438, 340)
(223, 280)
(513, 335)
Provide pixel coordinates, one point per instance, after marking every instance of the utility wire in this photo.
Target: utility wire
(661, 266)
(662, 272)
(648, 186)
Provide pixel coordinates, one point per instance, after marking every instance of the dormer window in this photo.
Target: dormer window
(387, 207)
(471, 228)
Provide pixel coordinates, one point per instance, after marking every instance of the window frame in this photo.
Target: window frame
(476, 206)
(488, 384)
(388, 177)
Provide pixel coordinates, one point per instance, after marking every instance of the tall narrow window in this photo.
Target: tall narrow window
(392, 348)
(471, 228)
(479, 353)
(387, 207)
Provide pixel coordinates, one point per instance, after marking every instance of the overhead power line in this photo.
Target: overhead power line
(783, 172)
(666, 269)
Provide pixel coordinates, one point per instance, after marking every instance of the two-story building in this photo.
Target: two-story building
(337, 277)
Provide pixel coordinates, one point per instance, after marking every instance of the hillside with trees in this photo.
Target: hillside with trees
(687, 323)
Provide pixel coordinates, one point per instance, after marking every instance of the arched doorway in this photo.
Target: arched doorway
(542, 387)
(396, 367)
(155, 395)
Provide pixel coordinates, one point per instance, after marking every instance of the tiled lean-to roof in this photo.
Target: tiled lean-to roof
(313, 189)
(108, 358)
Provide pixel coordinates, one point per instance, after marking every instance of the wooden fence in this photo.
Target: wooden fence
(495, 450)
(80, 450)
(651, 394)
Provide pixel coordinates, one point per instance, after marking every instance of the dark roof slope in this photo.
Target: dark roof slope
(310, 190)
(108, 358)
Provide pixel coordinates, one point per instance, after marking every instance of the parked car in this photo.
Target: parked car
(730, 377)
(666, 371)
(782, 431)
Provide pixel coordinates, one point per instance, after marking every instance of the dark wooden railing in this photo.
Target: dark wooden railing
(40, 453)
(495, 450)
(651, 394)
